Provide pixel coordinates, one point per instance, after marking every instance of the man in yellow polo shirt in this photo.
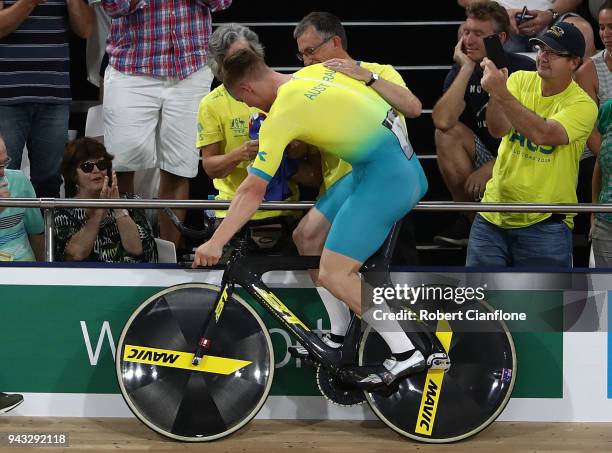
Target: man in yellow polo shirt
(544, 118)
(321, 38)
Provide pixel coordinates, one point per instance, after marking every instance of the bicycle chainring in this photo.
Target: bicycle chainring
(333, 389)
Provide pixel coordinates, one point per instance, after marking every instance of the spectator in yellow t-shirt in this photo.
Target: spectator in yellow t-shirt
(545, 119)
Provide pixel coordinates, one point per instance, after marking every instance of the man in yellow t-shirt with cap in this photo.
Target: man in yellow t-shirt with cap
(544, 119)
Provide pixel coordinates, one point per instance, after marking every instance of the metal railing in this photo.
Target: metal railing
(48, 205)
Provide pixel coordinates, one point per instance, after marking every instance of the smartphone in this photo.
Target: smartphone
(109, 173)
(523, 16)
(495, 51)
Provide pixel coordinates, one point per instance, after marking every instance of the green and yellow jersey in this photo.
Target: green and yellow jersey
(334, 168)
(337, 114)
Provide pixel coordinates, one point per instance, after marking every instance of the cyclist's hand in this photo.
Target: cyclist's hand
(248, 150)
(208, 254)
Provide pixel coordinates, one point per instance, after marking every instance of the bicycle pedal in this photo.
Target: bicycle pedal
(438, 361)
(298, 352)
(364, 377)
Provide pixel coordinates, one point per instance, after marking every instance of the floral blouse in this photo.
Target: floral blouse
(107, 247)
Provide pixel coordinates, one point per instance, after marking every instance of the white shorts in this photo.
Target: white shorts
(151, 121)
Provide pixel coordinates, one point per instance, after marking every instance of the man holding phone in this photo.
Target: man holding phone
(531, 18)
(466, 151)
(544, 119)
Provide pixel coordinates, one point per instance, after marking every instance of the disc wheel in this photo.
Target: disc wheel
(460, 403)
(177, 400)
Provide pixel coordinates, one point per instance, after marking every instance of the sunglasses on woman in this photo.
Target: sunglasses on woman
(88, 166)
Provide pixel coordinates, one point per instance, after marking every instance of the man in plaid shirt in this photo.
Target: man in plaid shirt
(156, 77)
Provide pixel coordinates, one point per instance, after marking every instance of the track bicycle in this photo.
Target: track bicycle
(195, 361)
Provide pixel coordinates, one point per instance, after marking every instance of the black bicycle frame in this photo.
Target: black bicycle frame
(247, 271)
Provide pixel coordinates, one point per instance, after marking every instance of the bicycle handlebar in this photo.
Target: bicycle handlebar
(190, 233)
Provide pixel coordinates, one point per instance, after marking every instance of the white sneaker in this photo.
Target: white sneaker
(397, 368)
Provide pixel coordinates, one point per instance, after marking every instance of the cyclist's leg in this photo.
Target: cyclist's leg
(342, 259)
(309, 237)
(310, 234)
(361, 226)
(340, 275)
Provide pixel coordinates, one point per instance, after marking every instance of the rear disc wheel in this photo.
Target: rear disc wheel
(438, 406)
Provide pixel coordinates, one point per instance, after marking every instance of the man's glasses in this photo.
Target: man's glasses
(5, 163)
(550, 52)
(309, 51)
(88, 166)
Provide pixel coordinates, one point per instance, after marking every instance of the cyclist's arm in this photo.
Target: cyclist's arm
(244, 204)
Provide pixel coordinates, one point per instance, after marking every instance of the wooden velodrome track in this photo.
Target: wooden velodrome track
(118, 434)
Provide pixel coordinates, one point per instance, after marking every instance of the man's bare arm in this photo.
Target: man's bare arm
(451, 105)
(218, 164)
(82, 19)
(538, 130)
(13, 16)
